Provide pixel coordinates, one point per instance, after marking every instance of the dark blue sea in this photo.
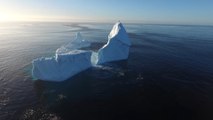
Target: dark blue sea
(168, 75)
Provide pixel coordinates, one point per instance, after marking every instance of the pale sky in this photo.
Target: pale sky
(138, 11)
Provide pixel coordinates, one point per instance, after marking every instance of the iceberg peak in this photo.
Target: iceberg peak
(118, 32)
(76, 43)
(117, 47)
(78, 37)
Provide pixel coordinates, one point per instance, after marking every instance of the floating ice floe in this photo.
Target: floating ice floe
(69, 61)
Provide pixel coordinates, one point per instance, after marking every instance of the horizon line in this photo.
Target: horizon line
(104, 22)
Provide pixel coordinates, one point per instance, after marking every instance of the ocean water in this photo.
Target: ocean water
(169, 74)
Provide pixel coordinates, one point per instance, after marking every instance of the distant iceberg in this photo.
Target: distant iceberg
(69, 61)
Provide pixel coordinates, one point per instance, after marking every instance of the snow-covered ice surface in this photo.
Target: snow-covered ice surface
(117, 47)
(61, 66)
(68, 60)
(78, 42)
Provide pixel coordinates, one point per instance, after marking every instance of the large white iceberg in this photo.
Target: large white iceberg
(68, 60)
(117, 47)
(61, 66)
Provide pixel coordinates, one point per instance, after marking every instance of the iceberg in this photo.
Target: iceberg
(78, 42)
(61, 66)
(69, 60)
(117, 47)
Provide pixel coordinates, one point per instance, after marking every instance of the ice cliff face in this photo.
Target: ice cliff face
(68, 60)
(117, 47)
(61, 67)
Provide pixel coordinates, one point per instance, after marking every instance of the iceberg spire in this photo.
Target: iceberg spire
(117, 47)
(118, 32)
(78, 37)
(76, 43)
